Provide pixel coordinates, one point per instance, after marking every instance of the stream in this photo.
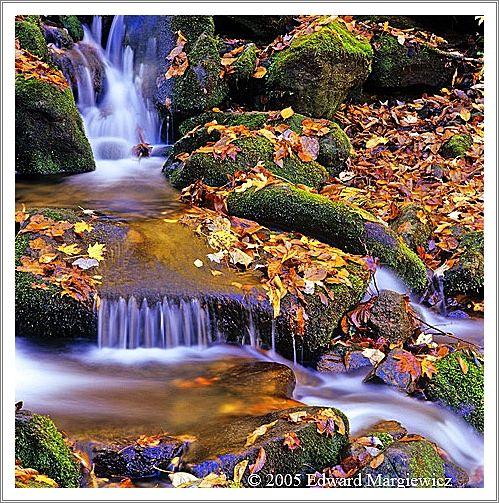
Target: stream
(95, 389)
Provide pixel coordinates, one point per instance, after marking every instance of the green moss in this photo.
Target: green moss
(457, 146)
(424, 462)
(49, 130)
(385, 438)
(193, 26)
(216, 172)
(74, 27)
(468, 276)
(244, 66)
(395, 65)
(39, 445)
(464, 393)
(316, 72)
(31, 38)
(334, 147)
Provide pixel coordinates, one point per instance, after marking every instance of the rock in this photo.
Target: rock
(220, 449)
(40, 445)
(31, 38)
(332, 362)
(135, 460)
(200, 87)
(57, 36)
(216, 172)
(63, 317)
(413, 225)
(334, 147)
(389, 317)
(260, 28)
(50, 138)
(395, 65)
(342, 359)
(392, 428)
(458, 477)
(315, 73)
(404, 461)
(388, 372)
(467, 277)
(462, 392)
(457, 146)
(335, 223)
(71, 23)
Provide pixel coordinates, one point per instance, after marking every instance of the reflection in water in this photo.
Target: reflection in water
(90, 392)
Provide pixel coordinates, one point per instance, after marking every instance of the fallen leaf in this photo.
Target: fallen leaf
(291, 440)
(374, 355)
(259, 462)
(86, 263)
(179, 478)
(81, 227)
(297, 417)
(96, 251)
(286, 113)
(261, 430)
(71, 249)
(260, 72)
(198, 263)
(377, 461)
(239, 470)
(462, 364)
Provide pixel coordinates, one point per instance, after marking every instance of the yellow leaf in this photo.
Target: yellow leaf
(216, 273)
(377, 460)
(81, 227)
(48, 257)
(239, 470)
(287, 113)
(465, 115)
(69, 249)
(261, 430)
(376, 140)
(96, 251)
(260, 72)
(463, 365)
(296, 417)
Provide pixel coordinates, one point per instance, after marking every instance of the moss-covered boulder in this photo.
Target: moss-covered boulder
(216, 171)
(467, 277)
(50, 138)
(222, 448)
(395, 65)
(457, 146)
(335, 223)
(31, 38)
(315, 73)
(200, 87)
(334, 147)
(413, 225)
(40, 445)
(459, 384)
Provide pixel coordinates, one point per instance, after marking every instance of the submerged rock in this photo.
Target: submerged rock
(40, 445)
(460, 386)
(50, 138)
(315, 73)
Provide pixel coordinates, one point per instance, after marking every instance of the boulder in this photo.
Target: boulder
(70, 23)
(395, 65)
(467, 277)
(413, 225)
(334, 147)
(342, 359)
(50, 138)
(462, 391)
(220, 449)
(40, 445)
(316, 72)
(31, 38)
(456, 146)
(335, 223)
(389, 317)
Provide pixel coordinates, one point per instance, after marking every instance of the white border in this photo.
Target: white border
(8, 367)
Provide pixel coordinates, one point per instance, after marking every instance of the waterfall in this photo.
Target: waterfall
(173, 322)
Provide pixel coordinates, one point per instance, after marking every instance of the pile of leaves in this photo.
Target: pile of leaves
(31, 67)
(61, 254)
(290, 263)
(285, 141)
(178, 58)
(26, 477)
(398, 160)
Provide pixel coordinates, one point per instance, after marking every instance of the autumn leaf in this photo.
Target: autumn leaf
(96, 251)
(81, 227)
(296, 417)
(86, 263)
(375, 356)
(239, 470)
(375, 141)
(286, 113)
(428, 368)
(145, 441)
(259, 72)
(259, 462)
(261, 430)
(291, 440)
(198, 263)
(377, 461)
(462, 364)
(407, 362)
(71, 249)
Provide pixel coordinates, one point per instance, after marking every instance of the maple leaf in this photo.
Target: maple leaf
(297, 417)
(71, 249)
(259, 462)
(291, 440)
(427, 367)
(96, 251)
(407, 362)
(86, 263)
(145, 441)
(81, 227)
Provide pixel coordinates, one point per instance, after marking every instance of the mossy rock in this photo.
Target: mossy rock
(334, 147)
(457, 146)
(40, 445)
(395, 65)
(409, 226)
(31, 38)
(200, 87)
(335, 223)
(462, 392)
(316, 72)
(244, 66)
(50, 138)
(467, 277)
(401, 22)
(71, 23)
(221, 448)
(216, 172)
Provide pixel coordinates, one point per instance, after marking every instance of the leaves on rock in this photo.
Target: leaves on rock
(260, 431)
(291, 441)
(178, 58)
(259, 462)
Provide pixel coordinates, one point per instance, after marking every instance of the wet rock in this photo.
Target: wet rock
(461, 390)
(57, 36)
(316, 72)
(41, 446)
(413, 225)
(332, 362)
(388, 371)
(389, 317)
(220, 449)
(392, 428)
(135, 460)
(341, 359)
(458, 477)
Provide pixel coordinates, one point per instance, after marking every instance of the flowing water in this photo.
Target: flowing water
(137, 378)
